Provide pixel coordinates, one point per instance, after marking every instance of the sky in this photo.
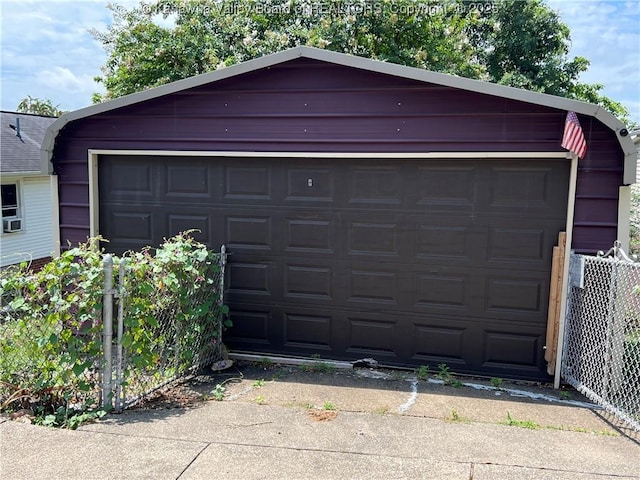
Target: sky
(47, 52)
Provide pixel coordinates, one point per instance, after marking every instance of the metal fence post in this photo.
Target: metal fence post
(119, 353)
(107, 336)
(223, 263)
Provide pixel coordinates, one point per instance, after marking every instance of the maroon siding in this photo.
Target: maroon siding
(310, 106)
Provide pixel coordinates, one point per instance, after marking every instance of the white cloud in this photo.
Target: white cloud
(64, 80)
(47, 51)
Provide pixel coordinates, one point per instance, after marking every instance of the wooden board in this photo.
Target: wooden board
(555, 300)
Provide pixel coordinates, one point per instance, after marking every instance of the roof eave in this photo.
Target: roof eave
(402, 71)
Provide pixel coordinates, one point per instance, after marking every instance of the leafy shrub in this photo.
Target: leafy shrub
(51, 324)
(50, 329)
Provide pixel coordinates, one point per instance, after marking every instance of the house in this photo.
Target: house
(370, 209)
(28, 217)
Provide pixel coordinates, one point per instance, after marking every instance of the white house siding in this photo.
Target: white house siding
(36, 239)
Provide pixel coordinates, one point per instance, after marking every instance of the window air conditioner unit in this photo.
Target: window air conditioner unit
(12, 225)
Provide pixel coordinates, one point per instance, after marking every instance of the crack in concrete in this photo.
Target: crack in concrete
(412, 397)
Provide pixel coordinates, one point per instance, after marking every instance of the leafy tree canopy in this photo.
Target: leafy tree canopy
(38, 106)
(517, 43)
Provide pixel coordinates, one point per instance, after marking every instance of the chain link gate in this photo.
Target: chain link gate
(179, 348)
(601, 356)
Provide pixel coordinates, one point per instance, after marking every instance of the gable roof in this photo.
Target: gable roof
(376, 66)
(21, 154)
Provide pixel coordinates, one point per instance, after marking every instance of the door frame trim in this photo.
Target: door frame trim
(94, 198)
(93, 154)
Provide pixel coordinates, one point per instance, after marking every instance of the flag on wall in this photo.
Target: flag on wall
(573, 138)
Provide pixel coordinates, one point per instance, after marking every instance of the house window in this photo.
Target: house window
(9, 201)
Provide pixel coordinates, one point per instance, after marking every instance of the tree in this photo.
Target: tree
(511, 42)
(38, 106)
(524, 44)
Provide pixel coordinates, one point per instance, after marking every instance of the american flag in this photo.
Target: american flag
(573, 138)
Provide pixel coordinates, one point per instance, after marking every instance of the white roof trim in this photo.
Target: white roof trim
(267, 61)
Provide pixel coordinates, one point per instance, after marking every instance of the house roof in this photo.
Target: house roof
(426, 76)
(20, 154)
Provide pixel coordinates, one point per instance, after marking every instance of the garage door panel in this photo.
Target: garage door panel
(308, 331)
(437, 341)
(507, 351)
(452, 240)
(374, 335)
(373, 236)
(310, 233)
(131, 227)
(446, 187)
(251, 281)
(408, 261)
(189, 181)
(516, 243)
(180, 222)
(373, 286)
(437, 290)
(529, 191)
(516, 299)
(248, 183)
(306, 186)
(308, 282)
(127, 178)
(249, 232)
(250, 326)
(376, 186)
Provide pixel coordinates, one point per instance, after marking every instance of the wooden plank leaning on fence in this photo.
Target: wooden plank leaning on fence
(555, 294)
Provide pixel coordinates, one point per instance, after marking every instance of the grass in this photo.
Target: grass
(317, 367)
(512, 422)
(265, 363)
(496, 382)
(328, 406)
(454, 416)
(445, 374)
(422, 372)
(218, 393)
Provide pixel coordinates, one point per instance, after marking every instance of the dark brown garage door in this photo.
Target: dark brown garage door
(410, 262)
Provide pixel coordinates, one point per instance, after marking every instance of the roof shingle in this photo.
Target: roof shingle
(20, 154)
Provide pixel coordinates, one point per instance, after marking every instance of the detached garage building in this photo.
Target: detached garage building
(370, 209)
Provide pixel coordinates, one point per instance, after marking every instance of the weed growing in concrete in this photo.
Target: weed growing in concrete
(318, 367)
(260, 400)
(512, 422)
(258, 383)
(218, 392)
(496, 382)
(565, 395)
(328, 406)
(446, 376)
(422, 372)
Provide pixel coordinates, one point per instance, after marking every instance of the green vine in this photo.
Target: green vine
(51, 325)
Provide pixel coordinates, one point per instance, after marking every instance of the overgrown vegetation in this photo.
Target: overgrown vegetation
(51, 348)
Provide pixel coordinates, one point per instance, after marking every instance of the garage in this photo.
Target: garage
(370, 210)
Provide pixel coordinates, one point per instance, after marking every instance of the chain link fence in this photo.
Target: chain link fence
(601, 357)
(184, 328)
(90, 331)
